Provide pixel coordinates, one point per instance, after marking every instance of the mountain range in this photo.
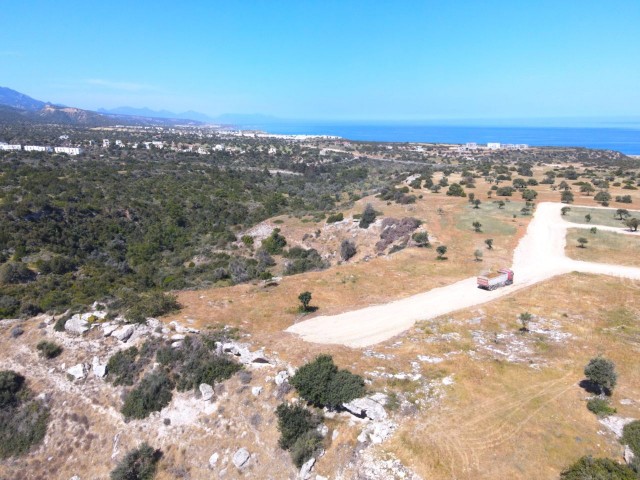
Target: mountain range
(18, 107)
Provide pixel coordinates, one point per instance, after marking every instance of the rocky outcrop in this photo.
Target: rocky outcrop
(76, 325)
(98, 370)
(78, 372)
(241, 457)
(124, 332)
(281, 377)
(371, 407)
(207, 391)
(246, 356)
(305, 470)
(628, 454)
(213, 460)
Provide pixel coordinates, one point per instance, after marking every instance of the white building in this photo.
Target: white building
(202, 151)
(219, 147)
(69, 150)
(37, 148)
(119, 143)
(471, 145)
(493, 146)
(7, 146)
(105, 143)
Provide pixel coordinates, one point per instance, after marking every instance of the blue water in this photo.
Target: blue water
(624, 139)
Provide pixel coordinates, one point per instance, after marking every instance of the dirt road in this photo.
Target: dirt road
(539, 256)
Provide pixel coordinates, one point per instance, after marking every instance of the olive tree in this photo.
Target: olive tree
(602, 373)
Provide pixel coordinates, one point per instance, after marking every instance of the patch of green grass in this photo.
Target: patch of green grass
(494, 220)
(599, 216)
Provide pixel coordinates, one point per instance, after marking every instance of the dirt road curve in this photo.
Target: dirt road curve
(539, 256)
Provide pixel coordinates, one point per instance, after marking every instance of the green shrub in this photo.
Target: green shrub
(335, 217)
(23, 420)
(600, 407)
(122, 368)
(602, 373)
(301, 260)
(321, 383)
(152, 394)
(197, 363)
(154, 304)
(138, 464)
(631, 437)
(10, 385)
(274, 243)
(49, 349)
(455, 190)
(306, 447)
(368, 217)
(293, 422)
(589, 468)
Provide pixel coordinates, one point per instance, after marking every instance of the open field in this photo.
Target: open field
(604, 247)
(599, 216)
(516, 409)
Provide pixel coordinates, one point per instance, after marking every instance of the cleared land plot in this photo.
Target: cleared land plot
(604, 247)
(599, 216)
(494, 220)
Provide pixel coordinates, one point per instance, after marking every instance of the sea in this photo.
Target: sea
(624, 138)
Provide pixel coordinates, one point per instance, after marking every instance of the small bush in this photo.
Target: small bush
(301, 260)
(274, 243)
(589, 468)
(23, 420)
(631, 437)
(152, 394)
(335, 217)
(347, 249)
(60, 323)
(600, 407)
(154, 304)
(49, 349)
(305, 447)
(138, 464)
(11, 383)
(368, 217)
(293, 422)
(122, 368)
(321, 383)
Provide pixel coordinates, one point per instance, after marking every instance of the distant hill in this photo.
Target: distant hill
(18, 107)
(14, 99)
(147, 112)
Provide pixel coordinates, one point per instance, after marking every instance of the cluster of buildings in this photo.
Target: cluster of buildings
(492, 146)
(41, 148)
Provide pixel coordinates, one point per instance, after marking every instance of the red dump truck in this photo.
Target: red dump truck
(494, 280)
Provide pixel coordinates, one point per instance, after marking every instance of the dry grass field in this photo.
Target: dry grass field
(604, 247)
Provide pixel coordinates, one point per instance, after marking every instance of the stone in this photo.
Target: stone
(75, 477)
(241, 457)
(98, 370)
(615, 424)
(213, 459)
(153, 323)
(281, 377)
(78, 371)
(323, 430)
(108, 329)
(207, 391)
(334, 435)
(305, 470)
(178, 336)
(371, 407)
(628, 454)
(124, 332)
(76, 325)
(256, 391)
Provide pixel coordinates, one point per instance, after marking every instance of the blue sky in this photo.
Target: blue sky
(337, 60)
